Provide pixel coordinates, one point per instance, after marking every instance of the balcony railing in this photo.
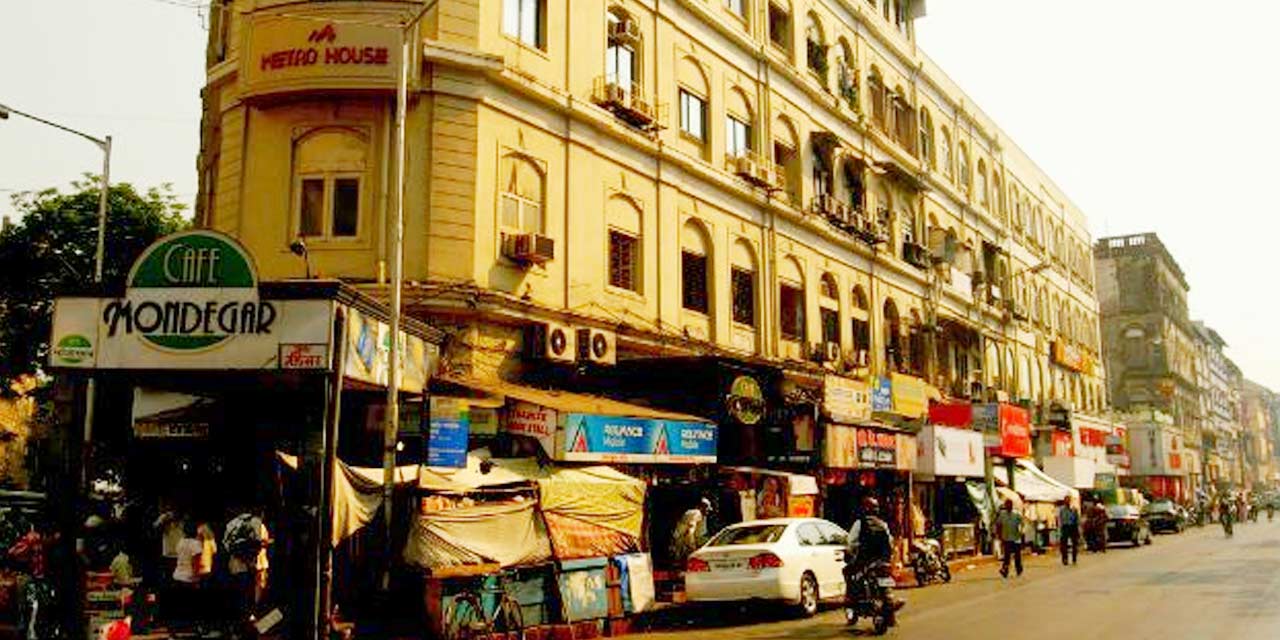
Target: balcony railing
(628, 101)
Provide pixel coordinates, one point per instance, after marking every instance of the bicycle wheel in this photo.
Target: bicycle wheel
(464, 618)
(508, 617)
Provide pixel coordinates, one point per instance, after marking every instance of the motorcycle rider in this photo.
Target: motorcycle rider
(870, 542)
(1227, 517)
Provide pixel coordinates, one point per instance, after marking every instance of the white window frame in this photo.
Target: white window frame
(524, 207)
(737, 136)
(687, 100)
(329, 180)
(525, 21)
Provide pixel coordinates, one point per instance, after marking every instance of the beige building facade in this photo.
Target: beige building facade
(776, 181)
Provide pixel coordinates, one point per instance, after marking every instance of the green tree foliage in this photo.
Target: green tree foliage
(49, 251)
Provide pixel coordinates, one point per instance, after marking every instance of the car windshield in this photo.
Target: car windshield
(1121, 511)
(1163, 506)
(750, 534)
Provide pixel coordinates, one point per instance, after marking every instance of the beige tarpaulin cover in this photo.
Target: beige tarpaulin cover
(507, 533)
(357, 494)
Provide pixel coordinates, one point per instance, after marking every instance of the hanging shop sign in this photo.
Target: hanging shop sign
(845, 399)
(535, 421)
(1117, 452)
(1063, 444)
(877, 449)
(882, 395)
(447, 432)
(191, 302)
(948, 451)
(290, 54)
(745, 401)
(597, 438)
(369, 353)
(908, 452)
(1006, 428)
(909, 395)
(840, 447)
(1072, 357)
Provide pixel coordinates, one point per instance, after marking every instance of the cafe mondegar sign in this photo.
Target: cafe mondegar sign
(192, 302)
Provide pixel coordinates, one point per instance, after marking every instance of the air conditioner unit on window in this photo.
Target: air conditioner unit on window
(528, 248)
(597, 346)
(552, 342)
(625, 31)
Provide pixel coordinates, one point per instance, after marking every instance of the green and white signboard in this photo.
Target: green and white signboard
(192, 303)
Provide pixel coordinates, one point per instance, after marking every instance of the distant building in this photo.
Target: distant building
(1149, 344)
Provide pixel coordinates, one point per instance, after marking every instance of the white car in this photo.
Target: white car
(799, 561)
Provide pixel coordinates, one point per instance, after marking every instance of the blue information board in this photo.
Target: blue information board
(590, 437)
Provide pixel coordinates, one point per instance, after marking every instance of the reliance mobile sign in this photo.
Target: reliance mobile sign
(191, 302)
(597, 438)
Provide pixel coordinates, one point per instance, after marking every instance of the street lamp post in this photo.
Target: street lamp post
(99, 254)
(391, 426)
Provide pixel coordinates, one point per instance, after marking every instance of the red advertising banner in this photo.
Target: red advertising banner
(1062, 445)
(1015, 432)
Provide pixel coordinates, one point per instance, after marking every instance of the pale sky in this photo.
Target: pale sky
(1150, 114)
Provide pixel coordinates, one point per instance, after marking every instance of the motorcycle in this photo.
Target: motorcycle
(927, 562)
(870, 595)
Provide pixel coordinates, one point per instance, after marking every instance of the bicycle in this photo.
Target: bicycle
(465, 617)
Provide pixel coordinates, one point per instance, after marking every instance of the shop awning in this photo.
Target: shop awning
(797, 484)
(1036, 486)
(567, 401)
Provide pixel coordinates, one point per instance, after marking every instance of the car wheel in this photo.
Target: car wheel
(808, 596)
(946, 572)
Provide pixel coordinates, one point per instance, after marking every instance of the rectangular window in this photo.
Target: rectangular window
(623, 261)
(619, 63)
(830, 325)
(311, 218)
(522, 19)
(693, 115)
(791, 312)
(744, 296)
(693, 273)
(346, 207)
(738, 7)
(521, 214)
(861, 335)
(737, 137)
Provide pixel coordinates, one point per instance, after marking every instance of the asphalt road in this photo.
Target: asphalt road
(1194, 586)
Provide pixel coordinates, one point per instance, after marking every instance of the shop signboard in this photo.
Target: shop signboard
(948, 451)
(285, 53)
(1105, 481)
(448, 429)
(168, 415)
(840, 447)
(745, 400)
(877, 449)
(484, 421)
(882, 395)
(1071, 357)
(909, 397)
(1011, 436)
(369, 353)
(1063, 445)
(191, 302)
(907, 452)
(535, 421)
(597, 438)
(845, 399)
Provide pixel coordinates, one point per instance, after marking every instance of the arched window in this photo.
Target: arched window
(861, 322)
(980, 178)
(926, 139)
(875, 85)
(742, 274)
(695, 276)
(791, 317)
(884, 210)
(848, 73)
(966, 175)
(855, 188)
(893, 352)
(329, 173)
(739, 121)
(522, 195)
(816, 47)
(786, 145)
(621, 65)
(693, 94)
(829, 308)
(997, 194)
(624, 250)
(944, 154)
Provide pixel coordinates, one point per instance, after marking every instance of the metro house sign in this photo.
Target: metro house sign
(190, 291)
(322, 52)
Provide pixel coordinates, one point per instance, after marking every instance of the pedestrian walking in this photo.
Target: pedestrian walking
(690, 532)
(1068, 531)
(1009, 528)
